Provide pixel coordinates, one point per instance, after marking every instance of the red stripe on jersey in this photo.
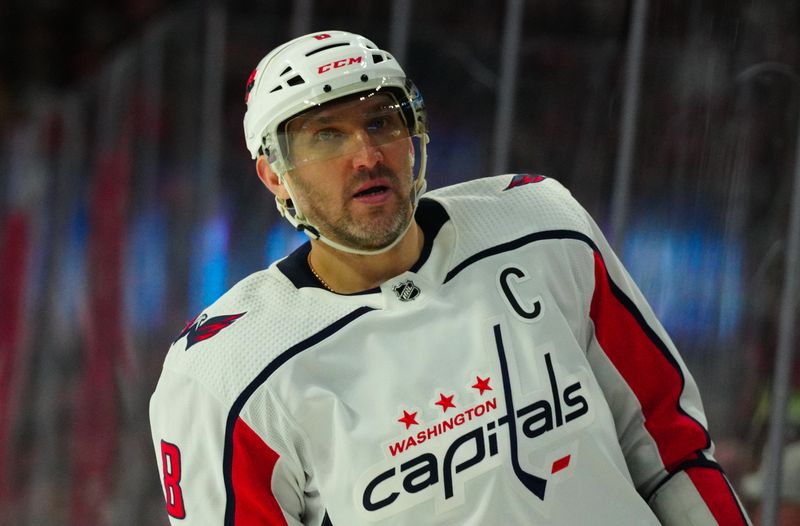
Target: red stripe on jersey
(717, 494)
(649, 370)
(253, 462)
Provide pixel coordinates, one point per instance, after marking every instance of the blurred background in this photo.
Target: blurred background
(128, 201)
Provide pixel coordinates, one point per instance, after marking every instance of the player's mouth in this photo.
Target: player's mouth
(373, 192)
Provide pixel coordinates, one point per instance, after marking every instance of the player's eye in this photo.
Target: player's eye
(378, 124)
(387, 126)
(327, 136)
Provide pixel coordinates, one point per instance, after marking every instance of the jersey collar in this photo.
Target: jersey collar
(430, 216)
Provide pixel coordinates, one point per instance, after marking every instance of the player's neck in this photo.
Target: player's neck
(348, 273)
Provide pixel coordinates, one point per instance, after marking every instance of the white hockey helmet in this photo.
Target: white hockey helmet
(308, 72)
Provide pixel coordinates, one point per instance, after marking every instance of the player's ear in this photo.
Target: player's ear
(270, 178)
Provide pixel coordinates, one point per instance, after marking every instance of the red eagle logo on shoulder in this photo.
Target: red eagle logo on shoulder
(523, 179)
(202, 327)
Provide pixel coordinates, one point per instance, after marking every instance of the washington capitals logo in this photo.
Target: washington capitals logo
(250, 83)
(202, 328)
(523, 179)
(406, 291)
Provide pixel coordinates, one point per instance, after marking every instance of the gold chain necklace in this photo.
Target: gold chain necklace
(314, 271)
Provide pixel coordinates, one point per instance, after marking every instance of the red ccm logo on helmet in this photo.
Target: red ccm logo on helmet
(342, 62)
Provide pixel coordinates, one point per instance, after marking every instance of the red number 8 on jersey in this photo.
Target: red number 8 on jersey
(171, 467)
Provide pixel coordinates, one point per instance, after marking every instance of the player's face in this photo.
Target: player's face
(352, 173)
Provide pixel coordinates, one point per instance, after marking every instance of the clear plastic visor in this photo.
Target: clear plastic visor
(343, 128)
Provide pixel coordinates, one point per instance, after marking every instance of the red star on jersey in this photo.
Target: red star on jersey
(446, 402)
(409, 419)
(482, 384)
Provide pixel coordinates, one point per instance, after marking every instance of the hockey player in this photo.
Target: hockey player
(474, 356)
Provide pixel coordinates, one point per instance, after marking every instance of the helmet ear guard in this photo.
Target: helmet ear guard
(308, 72)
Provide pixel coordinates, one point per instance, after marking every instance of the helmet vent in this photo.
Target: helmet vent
(285, 71)
(294, 81)
(377, 58)
(323, 48)
(276, 88)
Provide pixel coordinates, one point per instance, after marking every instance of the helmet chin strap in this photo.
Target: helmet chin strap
(298, 220)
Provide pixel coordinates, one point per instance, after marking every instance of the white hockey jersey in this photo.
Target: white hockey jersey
(514, 375)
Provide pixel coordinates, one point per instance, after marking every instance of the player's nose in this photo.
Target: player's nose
(366, 155)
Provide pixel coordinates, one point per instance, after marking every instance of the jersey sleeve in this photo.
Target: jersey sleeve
(215, 471)
(656, 405)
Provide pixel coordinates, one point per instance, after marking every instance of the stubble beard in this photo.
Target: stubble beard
(371, 231)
